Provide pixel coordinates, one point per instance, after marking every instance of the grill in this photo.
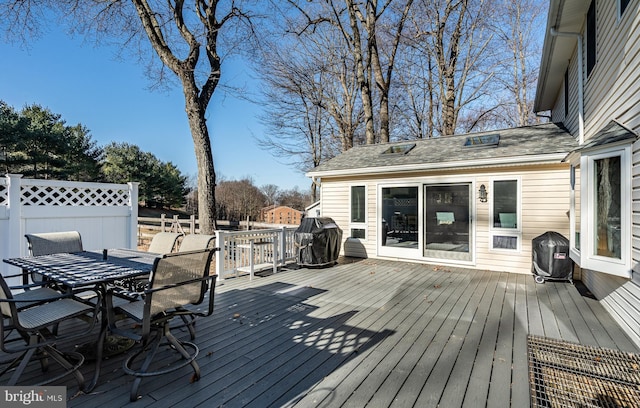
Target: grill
(564, 374)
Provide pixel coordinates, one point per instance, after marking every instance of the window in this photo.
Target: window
(566, 94)
(607, 206)
(574, 213)
(605, 211)
(400, 149)
(399, 217)
(482, 141)
(591, 37)
(358, 212)
(505, 215)
(622, 6)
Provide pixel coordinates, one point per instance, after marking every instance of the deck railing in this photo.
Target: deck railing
(248, 252)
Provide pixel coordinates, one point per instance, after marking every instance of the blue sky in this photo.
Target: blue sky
(109, 96)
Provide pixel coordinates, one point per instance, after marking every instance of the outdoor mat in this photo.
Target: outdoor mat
(113, 345)
(564, 374)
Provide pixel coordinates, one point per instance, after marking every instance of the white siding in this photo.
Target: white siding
(612, 92)
(545, 204)
(557, 113)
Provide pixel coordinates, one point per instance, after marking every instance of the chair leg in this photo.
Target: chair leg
(26, 357)
(152, 351)
(190, 322)
(63, 360)
(178, 346)
(151, 348)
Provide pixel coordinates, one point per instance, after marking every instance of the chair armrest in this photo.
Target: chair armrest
(212, 286)
(62, 295)
(176, 285)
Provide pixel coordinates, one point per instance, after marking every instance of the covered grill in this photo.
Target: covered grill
(550, 252)
(317, 242)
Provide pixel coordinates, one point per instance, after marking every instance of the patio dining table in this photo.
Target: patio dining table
(90, 269)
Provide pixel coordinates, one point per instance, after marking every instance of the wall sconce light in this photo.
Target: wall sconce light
(483, 194)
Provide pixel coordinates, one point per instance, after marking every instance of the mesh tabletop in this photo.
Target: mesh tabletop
(88, 267)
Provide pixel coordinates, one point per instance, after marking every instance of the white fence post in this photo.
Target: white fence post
(282, 252)
(16, 231)
(221, 255)
(133, 223)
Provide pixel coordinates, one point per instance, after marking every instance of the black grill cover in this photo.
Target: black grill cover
(317, 241)
(551, 259)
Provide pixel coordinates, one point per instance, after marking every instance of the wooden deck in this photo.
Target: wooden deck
(369, 333)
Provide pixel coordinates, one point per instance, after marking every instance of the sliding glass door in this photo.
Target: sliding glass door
(399, 217)
(447, 221)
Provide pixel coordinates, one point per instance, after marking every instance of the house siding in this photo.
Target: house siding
(545, 204)
(570, 121)
(612, 91)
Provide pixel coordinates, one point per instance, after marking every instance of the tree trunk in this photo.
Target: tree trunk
(206, 172)
(362, 77)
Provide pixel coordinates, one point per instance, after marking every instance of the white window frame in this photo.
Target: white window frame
(620, 11)
(574, 251)
(588, 258)
(406, 253)
(358, 225)
(505, 232)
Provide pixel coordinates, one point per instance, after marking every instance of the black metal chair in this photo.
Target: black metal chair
(179, 282)
(161, 243)
(26, 331)
(33, 289)
(48, 243)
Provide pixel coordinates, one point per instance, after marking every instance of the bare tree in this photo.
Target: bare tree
(455, 34)
(239, 200)
(310, 97)
(270, 192)
(297, 124)
(416, 96)
(361, 23)
(518, 29)
(185, 35)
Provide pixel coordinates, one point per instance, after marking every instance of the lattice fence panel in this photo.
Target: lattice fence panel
(34, 195)
(4, 193)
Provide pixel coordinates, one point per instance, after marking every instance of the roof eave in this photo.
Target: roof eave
(564, 16)
(553, 158)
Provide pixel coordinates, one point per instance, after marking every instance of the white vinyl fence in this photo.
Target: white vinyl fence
(105, 214)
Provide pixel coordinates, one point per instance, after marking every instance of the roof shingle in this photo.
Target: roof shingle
(515, 144)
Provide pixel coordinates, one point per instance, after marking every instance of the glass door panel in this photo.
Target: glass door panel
(447, 229)
(400, 217)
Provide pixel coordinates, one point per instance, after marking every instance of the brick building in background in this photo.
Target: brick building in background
(280, 215)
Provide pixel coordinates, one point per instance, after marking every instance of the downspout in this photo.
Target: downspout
(578, 36)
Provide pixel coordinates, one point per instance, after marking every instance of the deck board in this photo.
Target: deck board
(369, 333)
(520, 373)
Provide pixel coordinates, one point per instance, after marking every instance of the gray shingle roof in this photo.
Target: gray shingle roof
(540, 143)
(612, 133)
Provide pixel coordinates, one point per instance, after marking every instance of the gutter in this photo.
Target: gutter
(577, 36)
